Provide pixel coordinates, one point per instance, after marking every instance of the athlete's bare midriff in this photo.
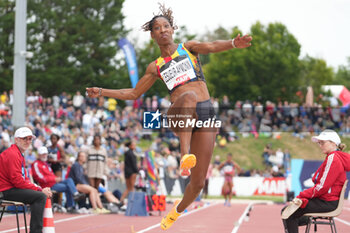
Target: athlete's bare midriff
(199, 87)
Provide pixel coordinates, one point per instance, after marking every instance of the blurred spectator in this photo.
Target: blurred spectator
(154, 103)
(275, 172)
(172, 165)
(77, 174)
(266, 154)
(216, 164)
(130, 169)
(30, 157)
(277, 158)
(165, 104)
(286, 161)
(156, 145)
(206, 185)
(43, 174)
(96, 162)
(56, 155)
(225, 104)
(78, 100)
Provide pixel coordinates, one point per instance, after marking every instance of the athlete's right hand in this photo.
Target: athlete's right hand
(92, 92)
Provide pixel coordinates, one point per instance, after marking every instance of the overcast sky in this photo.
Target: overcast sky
(322, 27)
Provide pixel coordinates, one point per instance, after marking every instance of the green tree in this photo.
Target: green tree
(315, 73)
(74, 45)
(342, 76)
(269, 69)
(218, 34)
(7, 24)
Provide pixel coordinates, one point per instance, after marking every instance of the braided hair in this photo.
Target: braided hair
(166, 13)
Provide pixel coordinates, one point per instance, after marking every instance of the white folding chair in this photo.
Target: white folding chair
(328, 217)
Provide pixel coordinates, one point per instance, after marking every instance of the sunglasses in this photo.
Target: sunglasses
(29, 138)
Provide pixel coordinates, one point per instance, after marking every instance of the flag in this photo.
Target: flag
(151, 175)
(340, 92)
(130, 57)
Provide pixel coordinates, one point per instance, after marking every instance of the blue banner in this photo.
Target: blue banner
(130, 57)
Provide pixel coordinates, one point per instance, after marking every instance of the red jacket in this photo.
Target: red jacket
(13, 173)
(43, 174)
(329, 178)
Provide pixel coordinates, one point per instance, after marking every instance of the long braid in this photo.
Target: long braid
(166, 13)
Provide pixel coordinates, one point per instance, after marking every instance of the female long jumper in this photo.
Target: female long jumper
(180, 69)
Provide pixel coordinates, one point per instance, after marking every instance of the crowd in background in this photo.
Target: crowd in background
(76, 119)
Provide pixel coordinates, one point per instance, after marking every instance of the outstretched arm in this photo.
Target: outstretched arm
(219, 45)
(129, 93)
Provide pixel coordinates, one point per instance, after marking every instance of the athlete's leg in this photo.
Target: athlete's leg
(87, 189)
(224, 191)
(230, 186)
(202, 145)
(130, 182)
(182, 109)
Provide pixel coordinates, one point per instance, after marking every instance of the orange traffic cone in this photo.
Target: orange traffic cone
(48, 226)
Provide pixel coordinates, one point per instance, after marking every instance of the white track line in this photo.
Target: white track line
(238, 224)
(58, 221)
(183, 215)
(343, 221)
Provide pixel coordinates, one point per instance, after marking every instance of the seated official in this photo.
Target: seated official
(328, 182)
(43, 174)
(14, 182)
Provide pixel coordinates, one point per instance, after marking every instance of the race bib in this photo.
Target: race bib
(52, 157)
(177, 72)
(228, 169)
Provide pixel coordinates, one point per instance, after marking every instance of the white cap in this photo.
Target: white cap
(42, 150)
(327, 135)
(23, 132)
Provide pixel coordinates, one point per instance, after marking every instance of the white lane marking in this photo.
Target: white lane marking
(183, 215)
(342, 221)
(57, 221)
(238, 224)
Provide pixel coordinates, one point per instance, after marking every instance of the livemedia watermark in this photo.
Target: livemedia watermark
(157, 120)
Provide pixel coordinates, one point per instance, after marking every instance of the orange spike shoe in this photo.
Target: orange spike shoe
(171, 217)
(187, 162)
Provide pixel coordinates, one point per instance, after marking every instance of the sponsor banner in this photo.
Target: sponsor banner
(272, 187)
(243, 186)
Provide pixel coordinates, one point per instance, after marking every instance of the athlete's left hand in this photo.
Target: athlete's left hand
(242, 42)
